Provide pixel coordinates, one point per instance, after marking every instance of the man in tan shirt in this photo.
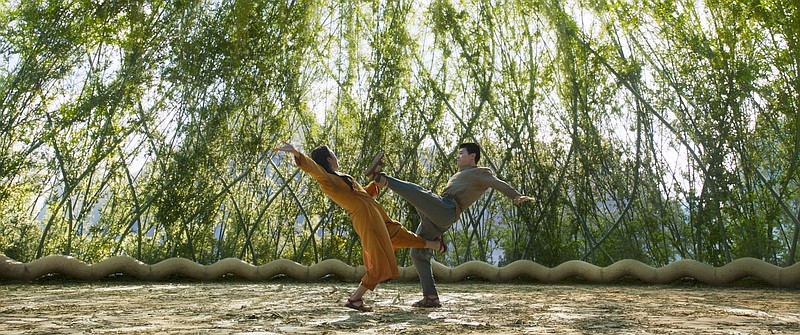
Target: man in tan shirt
(439, 212)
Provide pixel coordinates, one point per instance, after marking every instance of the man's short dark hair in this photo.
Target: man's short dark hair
(472, 148)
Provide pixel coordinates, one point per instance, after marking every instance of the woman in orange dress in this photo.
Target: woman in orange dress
(379, 234)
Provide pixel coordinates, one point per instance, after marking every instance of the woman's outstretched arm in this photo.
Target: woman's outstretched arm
(303, 162)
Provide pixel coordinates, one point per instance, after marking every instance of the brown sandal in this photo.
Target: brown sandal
(377, 161)
(442, 245)
(427, 303)
(360, 307)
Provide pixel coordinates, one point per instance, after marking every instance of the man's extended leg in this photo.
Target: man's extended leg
(441, 212)
(437, 215)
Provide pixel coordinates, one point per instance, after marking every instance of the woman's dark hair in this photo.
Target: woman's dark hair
(320, 155)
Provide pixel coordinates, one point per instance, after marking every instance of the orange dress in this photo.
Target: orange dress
(379, 234)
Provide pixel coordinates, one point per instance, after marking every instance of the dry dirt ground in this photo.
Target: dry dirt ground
(471, 307)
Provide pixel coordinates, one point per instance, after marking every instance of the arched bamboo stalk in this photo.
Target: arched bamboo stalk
(724, 275)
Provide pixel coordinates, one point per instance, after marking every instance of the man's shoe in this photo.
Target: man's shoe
(427, 303)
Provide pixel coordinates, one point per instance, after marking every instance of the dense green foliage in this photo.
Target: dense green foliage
(652, 130)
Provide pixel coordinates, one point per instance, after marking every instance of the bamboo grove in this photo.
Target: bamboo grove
(649, 130)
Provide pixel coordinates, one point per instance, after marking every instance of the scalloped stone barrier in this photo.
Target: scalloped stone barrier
(73, 268)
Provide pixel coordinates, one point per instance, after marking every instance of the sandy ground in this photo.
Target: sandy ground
(472, 307)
